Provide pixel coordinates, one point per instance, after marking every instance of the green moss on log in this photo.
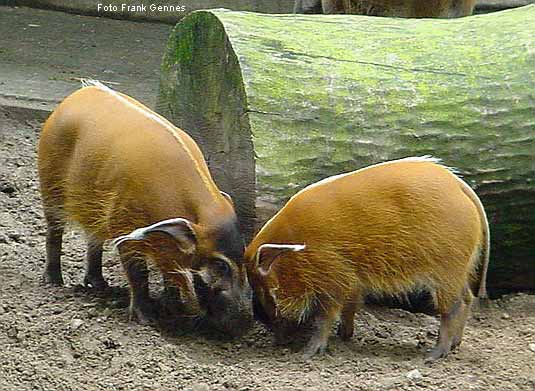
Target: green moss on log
(312, 96)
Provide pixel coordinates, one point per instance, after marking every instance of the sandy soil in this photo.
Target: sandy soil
(69, 338)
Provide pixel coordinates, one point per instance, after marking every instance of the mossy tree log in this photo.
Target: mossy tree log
(279, 102)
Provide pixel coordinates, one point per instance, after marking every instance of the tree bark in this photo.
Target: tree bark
(279, 102)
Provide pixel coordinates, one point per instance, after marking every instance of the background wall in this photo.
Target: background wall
(89, 7)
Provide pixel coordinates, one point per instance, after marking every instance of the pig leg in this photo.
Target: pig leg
(454, 311)
(468, 298)
(54, 238)
(93, 272)
(142, 307)
(347, 319)
(323, 324)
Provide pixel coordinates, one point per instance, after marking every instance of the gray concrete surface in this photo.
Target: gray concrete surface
(43, 54)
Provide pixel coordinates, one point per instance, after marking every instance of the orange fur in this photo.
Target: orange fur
(385, 229)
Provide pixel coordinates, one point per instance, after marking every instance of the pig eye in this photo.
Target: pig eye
(223, 267)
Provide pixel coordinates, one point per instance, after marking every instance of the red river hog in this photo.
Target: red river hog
(385, 230)
(118, 170)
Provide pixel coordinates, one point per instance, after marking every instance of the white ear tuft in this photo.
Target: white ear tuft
(228, 197)
(137, 234)
(178, 228)
(274, 251)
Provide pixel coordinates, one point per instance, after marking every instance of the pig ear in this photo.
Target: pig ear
(181, 230)
(228, 197)
(268, 253)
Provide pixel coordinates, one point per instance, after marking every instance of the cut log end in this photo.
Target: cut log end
(201, 91)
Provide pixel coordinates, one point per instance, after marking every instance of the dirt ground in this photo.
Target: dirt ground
(69, 338)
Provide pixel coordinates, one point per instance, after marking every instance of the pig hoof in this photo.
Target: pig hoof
(344, 333)
(436, 354)
(147, 314)
(52, 279)
(313, 349)
(481, 302)
(281, 338)
(456, 342)
(97, 283)
(142, 317)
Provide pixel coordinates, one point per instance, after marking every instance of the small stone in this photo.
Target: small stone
(57, 310)
(532, 347)
(16, 237)
(165, 368)
(506, 316)
(13, 333)
(415, 374)
(7, 188)
(76, 324)
(201, 387)
(110, 343)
